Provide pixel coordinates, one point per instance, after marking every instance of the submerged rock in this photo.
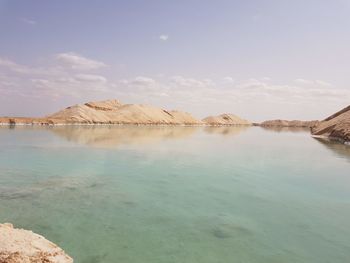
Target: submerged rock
(23, 246)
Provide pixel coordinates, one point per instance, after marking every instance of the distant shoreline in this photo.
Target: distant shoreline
(124, 124)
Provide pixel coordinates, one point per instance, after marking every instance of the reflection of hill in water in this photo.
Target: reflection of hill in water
(342, 150)
(285, 129)
(226, 130)
(113, 136)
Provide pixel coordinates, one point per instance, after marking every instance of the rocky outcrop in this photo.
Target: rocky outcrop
(290, 124)
(110, 112)
(22, 246)
(225, 119)
(336, 126)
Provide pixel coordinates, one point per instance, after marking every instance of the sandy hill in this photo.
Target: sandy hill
(109, 112)
(114, 112)
(225, 119)
(291, 124)
(336, 126)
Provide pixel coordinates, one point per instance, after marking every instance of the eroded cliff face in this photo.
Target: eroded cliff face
(225, 119)
(23, 246)
(336, 126)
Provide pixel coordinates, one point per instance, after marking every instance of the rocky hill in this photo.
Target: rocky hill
(336, 126)
(225, 119)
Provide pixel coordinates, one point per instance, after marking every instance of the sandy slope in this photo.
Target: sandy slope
(336, 126)
(109, 112)
(112, 111)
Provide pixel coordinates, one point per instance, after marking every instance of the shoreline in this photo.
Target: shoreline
(125, 124)
(331, 139)
(20, 245)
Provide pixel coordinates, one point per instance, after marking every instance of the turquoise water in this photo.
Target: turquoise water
(179, 194)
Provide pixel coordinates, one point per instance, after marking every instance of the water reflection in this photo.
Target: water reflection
(113, 136)
(226, 130)
(340, 149)
(285, 129)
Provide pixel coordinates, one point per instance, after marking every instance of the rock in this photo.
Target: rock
(336, 126)
(286, 123)
(23, 246)
(225, 119)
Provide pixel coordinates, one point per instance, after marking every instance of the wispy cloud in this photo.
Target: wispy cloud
(28, 21)
(66, 77)
(78, 62)
(91, 78)
(312, 83)
(163, 37)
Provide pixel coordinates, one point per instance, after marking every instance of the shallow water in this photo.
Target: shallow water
(179, 194)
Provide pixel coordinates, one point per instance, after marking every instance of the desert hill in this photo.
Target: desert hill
(109, 112)
(114, 112)
(225, 119)
(336, 126)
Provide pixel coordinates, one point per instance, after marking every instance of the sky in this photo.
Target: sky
(259, 59)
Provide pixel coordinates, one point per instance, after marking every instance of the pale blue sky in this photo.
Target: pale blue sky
(259, 59)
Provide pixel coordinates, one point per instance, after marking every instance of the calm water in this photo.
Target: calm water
(180, 195)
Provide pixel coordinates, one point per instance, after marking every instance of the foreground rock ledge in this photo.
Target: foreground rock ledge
(19, 245)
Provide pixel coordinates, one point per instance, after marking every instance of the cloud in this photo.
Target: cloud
(228, 80)
(164, 37)
(143, 81)
(52, 80)
(90, 78)
(304, 81)
(78, 62)
(249, 98)
(71, 86)
(12, 66)
(28, 21)
(314, 83)
(300, 99)
(180, 81)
